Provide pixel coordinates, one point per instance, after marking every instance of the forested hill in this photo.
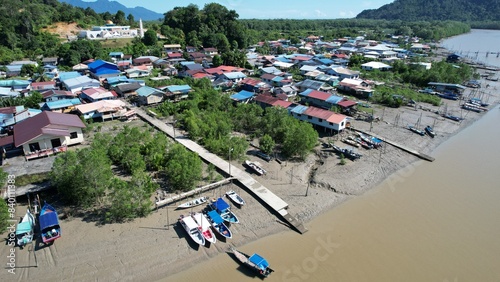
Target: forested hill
(432, 10)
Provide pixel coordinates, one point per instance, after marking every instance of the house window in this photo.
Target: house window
(331, 123)
(320, 120)
(73, 135)
(342, 124)
(309, 117)
(299, 115)
(34, 147)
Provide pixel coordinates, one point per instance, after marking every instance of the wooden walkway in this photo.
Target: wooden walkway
(397, 145)
(257, 189)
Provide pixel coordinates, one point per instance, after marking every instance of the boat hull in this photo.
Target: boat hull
(49, 224)
(193, 203)
(245, 259)
(233, 196)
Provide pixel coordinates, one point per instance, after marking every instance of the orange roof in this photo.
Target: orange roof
(336, 118)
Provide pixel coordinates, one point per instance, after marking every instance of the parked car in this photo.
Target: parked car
(263, 156)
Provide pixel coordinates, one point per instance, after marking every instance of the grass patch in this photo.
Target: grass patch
(116, 42)
(26, 179)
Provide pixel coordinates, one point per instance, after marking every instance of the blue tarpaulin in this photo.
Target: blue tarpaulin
(221, 205)
(48, 220)
(242, 95)
(215, 217)
(259, 261)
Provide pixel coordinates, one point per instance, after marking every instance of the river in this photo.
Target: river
(436, 221)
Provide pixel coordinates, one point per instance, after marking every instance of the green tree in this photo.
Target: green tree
(217, 61)
(4, 216)
(266, 144)
(130, 200)
(33, 100)
(300, 140)
(183, 168)
(150, 38)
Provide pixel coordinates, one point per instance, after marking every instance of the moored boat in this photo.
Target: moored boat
(204, 227)
(255, 262)
(193, 203)
(192, 229)
(25, 230)
(430, 131)
(235, 198)
(49, 224)
(224, 210)
(255, 166)
(350, 142)
(218, 224)
(416, 130)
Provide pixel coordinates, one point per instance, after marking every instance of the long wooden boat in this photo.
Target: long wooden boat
(192, 229)
(193, 203)
(430, 131)
(416, 130)
(350, 142)
(255, 262)
(256, 167)
(49, 224)
(204, 227)
(218, 225)
(224, 210)
(25, 230)
(235, 198)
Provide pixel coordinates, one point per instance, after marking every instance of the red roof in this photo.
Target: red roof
(301, 58)
(266, 99)
(318, 113)
(193, 72)
(6, 140)
(281, 103)
(336, 118)
(320, 95)
(250, 81)
(50, 93)
(174, 55)
(347, 103)
(49, 123)
(200, 75)
(268, 76)
(8, 110)
(197, 55)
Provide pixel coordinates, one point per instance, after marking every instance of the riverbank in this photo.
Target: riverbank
(154, 248)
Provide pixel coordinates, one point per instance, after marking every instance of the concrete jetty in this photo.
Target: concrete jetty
(273, 202)
(400, 146)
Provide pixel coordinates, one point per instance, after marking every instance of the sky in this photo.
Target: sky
(267, 9)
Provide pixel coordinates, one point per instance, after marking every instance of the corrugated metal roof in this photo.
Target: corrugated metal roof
(146, 91)
(34, 127)
(299, 109)
(336, 118)
(179, 88)
(334, 99)
(320, 95)
(242, 95)
(318, 113)
(64, 103)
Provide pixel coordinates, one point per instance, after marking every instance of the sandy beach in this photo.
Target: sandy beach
(153, 248)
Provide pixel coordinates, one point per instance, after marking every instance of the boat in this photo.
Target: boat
(255, 262)
(350, 142)
(25, 230)
(455, 118)
(49, 224)
(192, 229)
(224, 210)
(255, 166)
(430, 131)
(348, 153)
(218, 224)
(416, 130)
(235, 198)
(204, 227)
(364, 144)
(193, 203)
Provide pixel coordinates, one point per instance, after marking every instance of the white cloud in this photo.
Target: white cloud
(347, 14)
(319, 13)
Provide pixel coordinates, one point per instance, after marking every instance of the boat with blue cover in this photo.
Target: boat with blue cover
(255, 262)
(224, 210)
(218, 224)
(430, 131)
(49, 224)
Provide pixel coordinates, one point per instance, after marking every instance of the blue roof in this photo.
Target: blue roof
(334, 99)
(326, 61)
(259, 261)
(221, 205)
(115, 53)
(306, 92)
(215, 217)
(63, 103)
(242, 95)
(299, 109)
(146, 91)
(278, 78)
(179, 88)
(234, 75)
(283, 59)
(187, 63)
(68, 75)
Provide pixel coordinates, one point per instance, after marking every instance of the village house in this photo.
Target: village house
(170, 48)
(342, 73)
(243, 96)
(140, 71)
(48, 133)
(127, 90)
(101, 110)
(326, 119)
(43, 86)
(197, 57)
(116, 56)
(289, 90)
(310, 84)
(78, 83)
(97, 94)
(9, 116)
(210, 51)
(15, 84)
(191, 49)
(50, 61)
(54, 95)
(61, 106)
(176, 92)
(375, 66)
(148, 96)
(109, 30)
(266, 101)
(100, 69)
(356, 86)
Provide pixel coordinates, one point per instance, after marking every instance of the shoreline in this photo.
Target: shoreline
(154, 249)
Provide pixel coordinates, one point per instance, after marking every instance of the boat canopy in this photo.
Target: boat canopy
(23, 227)
(48, 220)
(221, 205)
(259, 261)
(215, 217)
